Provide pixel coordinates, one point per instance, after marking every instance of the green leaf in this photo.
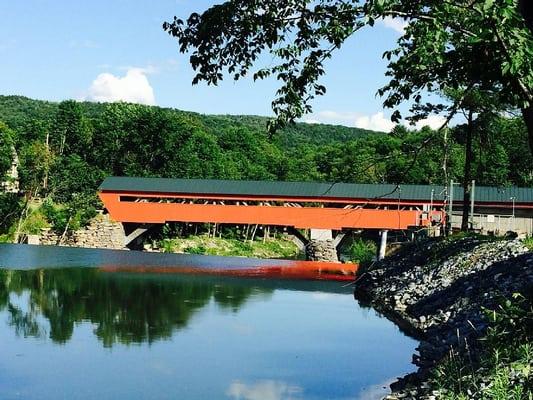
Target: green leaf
(488, 5)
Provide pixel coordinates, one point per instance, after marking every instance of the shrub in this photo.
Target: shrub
(528, 242)
(362, 251)
(196, 250)
(10, 209)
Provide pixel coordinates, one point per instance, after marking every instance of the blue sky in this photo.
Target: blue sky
(116, 49)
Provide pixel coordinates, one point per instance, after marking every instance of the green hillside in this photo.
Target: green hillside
(16, 110)
(66, 149)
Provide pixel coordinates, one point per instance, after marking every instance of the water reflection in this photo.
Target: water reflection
(125, 309)
(76, 330)
(264, 390)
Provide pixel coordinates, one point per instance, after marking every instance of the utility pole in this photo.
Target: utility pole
(450, 209)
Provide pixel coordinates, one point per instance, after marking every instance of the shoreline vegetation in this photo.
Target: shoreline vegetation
(273, 247)
(468, 299)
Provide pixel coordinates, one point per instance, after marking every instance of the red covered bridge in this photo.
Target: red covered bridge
(324, 208)
(309, 205)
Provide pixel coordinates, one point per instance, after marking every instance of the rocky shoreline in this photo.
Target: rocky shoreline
(436, 291)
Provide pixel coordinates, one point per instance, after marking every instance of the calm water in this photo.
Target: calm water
(86, 333)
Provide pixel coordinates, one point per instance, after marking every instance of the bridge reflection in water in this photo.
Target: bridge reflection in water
(140, 262)
(73, 327)
(312, 270)
(138, 297)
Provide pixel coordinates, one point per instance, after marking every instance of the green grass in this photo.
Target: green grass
(271, 248)
(502, 369)
(6, 238)
(35, 221)
(528, 242)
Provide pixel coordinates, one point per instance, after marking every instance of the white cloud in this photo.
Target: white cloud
(134, 87)
(263, 390)
(396, 24)
(433, 121)
(332, 117)
(148, 70)
(375, 122)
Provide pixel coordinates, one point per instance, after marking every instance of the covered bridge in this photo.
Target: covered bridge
(311, 205)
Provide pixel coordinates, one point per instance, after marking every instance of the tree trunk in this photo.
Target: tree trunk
(467, 174)
(527, 113)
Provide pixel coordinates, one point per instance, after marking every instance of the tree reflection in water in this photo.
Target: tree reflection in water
(126, 309)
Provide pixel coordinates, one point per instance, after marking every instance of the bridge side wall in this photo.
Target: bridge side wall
(298, 217)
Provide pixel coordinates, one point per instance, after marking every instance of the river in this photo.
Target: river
(81, 324)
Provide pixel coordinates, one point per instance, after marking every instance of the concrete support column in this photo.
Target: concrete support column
(321, 234)
(383, 245)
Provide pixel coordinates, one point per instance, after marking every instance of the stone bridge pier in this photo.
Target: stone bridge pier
(321, 245)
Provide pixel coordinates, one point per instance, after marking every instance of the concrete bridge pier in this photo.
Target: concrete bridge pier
(382, 245)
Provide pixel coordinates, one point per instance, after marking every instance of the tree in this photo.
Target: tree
(35, 163)
(71, 177)
(479, 109)
(6, 150)
(447, 43)
(200, 157)
(71, 131)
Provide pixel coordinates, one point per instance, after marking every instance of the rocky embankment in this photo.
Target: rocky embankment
(436, 291)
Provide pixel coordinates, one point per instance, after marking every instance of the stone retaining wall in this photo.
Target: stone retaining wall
(101, 233)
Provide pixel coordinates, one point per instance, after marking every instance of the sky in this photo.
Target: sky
(116, 50)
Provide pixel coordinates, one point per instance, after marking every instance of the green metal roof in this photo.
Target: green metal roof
(309, 189)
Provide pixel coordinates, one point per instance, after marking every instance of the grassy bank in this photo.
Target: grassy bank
(204, 244)
(499, 365)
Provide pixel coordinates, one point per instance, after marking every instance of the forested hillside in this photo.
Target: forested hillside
(66, 149)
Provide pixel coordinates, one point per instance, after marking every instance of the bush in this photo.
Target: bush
(58, 217)
(528, 242)
(362, 252)
(73, 215)
(10, 209)
(196, 250)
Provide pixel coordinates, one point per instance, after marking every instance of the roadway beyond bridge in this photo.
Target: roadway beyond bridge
(328, 210)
